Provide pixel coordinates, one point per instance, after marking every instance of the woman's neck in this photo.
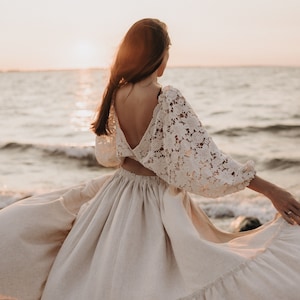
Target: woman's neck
(150, 80)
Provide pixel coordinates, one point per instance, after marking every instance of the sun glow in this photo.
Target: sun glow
(85, 55)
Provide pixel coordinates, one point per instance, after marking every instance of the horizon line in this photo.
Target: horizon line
(12, 70)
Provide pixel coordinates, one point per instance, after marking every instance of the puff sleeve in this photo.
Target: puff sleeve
(182, 153)
(105, 145)
(105, 151)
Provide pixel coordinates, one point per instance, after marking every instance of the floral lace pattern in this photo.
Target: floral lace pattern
(179, 150)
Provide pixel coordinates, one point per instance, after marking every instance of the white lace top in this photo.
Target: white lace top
(178, 149)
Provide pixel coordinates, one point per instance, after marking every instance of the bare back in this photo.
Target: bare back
(134, 107)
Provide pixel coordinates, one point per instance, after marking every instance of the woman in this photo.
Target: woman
(139, 235)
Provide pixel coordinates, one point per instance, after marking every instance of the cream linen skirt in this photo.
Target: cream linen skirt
(138, 238)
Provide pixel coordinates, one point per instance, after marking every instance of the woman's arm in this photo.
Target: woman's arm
(282, 200)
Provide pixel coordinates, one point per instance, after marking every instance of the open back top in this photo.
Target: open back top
(178, 149)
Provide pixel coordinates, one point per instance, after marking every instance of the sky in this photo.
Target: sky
(64, 34)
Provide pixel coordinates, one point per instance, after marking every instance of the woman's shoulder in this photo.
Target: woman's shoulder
(170, 95)
(170, 90)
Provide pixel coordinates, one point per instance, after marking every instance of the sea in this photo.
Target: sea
(252, 113)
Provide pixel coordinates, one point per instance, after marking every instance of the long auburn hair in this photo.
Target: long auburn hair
(140, 54)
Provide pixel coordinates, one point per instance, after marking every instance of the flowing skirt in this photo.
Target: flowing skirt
(138, 238)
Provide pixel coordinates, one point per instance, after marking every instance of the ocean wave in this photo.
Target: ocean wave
(84, 154)
(290, 130)
(281, 163)
(235, 205)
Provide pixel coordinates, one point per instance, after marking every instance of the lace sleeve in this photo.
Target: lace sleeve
(184, 155)
(105, 147)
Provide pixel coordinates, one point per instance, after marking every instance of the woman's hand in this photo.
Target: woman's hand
(283, 201)
(286, 205)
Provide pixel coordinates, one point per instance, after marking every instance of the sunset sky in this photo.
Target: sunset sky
(55, 34)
